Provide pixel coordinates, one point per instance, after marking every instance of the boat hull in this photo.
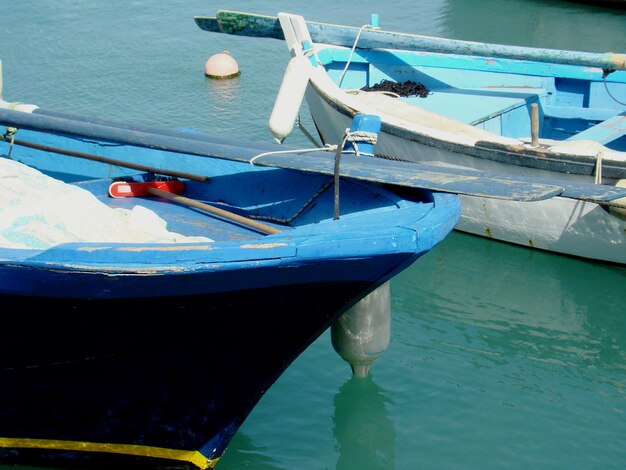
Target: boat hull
(560, 225)
(92, 379)
(118, 351)
(157, 354)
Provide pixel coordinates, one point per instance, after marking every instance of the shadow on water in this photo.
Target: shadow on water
(363, 429)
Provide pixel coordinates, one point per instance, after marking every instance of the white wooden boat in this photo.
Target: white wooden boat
(525, 112)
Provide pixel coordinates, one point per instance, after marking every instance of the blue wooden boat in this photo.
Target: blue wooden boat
(150, 349)
(507, 110)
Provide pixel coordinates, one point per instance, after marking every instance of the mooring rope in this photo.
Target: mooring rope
(356, 40)
(359, 136)
(306, 132)
(352, 137)
(278, 152)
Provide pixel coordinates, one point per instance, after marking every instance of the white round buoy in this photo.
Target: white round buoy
(221, 65)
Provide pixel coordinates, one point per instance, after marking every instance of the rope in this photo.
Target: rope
(324, 187)
(360, 136)
(352, 137)
(278, 152)
(369, 137)
(606, 87)
(356, 40)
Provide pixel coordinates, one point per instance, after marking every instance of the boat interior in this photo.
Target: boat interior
(496, 95)
(238, 202)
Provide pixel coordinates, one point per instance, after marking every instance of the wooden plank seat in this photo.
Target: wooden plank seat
(473, 106)
(605, 131)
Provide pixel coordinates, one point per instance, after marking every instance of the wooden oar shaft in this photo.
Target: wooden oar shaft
(267, 229)
(254, 25)
(112, 161)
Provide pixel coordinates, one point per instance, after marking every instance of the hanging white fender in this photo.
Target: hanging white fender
(290, 95)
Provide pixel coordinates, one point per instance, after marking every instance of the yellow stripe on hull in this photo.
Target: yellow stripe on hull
(190, 456)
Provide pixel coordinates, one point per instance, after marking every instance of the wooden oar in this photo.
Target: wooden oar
(254, 25)
(171, 189)
(112, 161)
(407, 174)
(264, 228)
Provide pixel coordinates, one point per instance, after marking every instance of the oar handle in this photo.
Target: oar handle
(264, 228)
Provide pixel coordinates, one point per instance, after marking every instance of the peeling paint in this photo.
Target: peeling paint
(93, 248)
(166, 248)
(263, 245)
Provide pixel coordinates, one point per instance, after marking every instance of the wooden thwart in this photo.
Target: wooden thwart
(606, 131)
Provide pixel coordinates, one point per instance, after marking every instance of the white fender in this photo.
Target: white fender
(290, 95)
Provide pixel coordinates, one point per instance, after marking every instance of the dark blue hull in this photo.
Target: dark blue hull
(122, 375)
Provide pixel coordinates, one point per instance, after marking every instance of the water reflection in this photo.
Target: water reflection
(363, 429)
(513, 301)
(223, 90)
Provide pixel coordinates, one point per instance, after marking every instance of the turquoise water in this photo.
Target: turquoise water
(500, 357)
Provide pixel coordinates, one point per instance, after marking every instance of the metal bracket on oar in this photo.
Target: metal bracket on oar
(171, 189)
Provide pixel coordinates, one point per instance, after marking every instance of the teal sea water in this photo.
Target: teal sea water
(500, 357)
